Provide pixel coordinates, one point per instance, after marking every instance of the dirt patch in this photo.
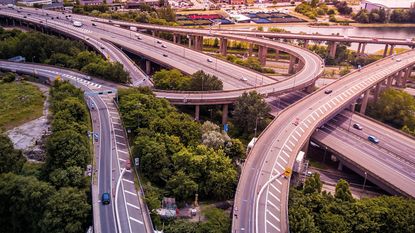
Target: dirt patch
(30, 136)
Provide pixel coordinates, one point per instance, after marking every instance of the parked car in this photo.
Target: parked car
(357, 126)
(373, 139)
(106, 199)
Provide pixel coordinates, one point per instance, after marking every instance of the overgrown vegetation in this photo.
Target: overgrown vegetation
(20, 102)
(251, 63)
(381, 16)
(164, 15)
(175, 80)
(41, 48)
(51, 197)
(311, 210)
(180, 156)
(395, 108)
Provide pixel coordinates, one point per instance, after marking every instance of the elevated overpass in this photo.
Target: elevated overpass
(281, 141)
(390, 164)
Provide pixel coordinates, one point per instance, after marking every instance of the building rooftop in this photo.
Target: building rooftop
(400, 4)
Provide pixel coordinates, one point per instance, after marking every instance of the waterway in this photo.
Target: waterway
(377, 32)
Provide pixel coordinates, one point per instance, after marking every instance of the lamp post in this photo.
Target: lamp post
(364, 182)
(256, 124)
(351, 116)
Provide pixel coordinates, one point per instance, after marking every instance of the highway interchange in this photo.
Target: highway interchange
(285, 142)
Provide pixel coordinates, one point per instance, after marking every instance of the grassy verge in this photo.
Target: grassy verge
(20, 102)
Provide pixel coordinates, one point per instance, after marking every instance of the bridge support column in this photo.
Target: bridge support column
(293, 62)
(277, 55)
(407, 74)
(153, 33)
(399, 78)
(225, 113)
(377, 91)
(198, 43)
(191, 41)
(389, 82)
(262, 55)
(197, 112)
(391, 50)
(385, 51)
(148, 67)
(363, 49)
(305, 45)
(176, 38)
(250, 49)
(223, 46)
(364, 102)
(309, 89)
(340, 166)
(333, 48)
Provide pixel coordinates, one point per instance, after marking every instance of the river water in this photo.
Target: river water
(378, 32)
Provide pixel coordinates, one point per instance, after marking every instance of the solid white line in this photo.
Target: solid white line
(131, 193)
(136, 220)
(273, 195)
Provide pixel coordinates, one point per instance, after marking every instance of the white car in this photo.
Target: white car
(244, 79)
(209, 60)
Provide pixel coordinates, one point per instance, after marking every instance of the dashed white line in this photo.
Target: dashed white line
(273, 215)
(273, 205)
(131, 193)
(136, 220)
(134, 206)
(129, 181)
(273, 226)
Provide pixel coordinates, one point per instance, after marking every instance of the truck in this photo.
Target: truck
(298, 164)
(77, 23)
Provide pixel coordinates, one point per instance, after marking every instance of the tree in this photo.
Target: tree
(218, 221)
(22, 202)
(234, 149)
(182, 186)
(250, 111)
(64, 177)
(343, 192)
(204, 82)
(65, 149)
(343, 8)
(313, 184)
(362, 16)
(11, 160)
(66, 211)
(394, 107)
(171, 80)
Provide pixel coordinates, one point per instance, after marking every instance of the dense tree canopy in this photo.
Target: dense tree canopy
(42, 48)
(323, 212)
(11, 160)
(396, 108)
(175, 80)
(250, 111)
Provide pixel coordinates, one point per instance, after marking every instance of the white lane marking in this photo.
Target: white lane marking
(131, 193)
(122, 160)
(273, 186)
(129, 181)
(273, 215)
(289, 148)
(134, 206)
(273, 205)
(293, 144)
(280, 165)
(273, 226)
(298, 133)
(273, 195)
(286, 154)
(136, 220)
(285, 161)
(301, 129)
(123, 151)
(122, 144)
(321, 111)
(295, 138)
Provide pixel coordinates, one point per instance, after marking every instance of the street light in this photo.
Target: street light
(351, 116)
(256, 124)
(364, 182)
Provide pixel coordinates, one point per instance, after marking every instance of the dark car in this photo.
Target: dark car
(357, 126)
(106, 199)
(93, 24)
(328, 91)
(164, 55)
(373, 139)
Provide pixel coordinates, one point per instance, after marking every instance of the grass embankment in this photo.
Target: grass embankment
(20, 102)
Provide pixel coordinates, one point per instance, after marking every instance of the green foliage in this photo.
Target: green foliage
(313, 184)
(321, 212)
(343, 192)
(251, 63)
(42, 48)
(250, 110)
(394, 107)
(171, 80)
(66, 211)
(20, 102)
(11, 160)
(7, 77)
(22, 202)
(175, 80)
(380, 16)
(342, 7)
